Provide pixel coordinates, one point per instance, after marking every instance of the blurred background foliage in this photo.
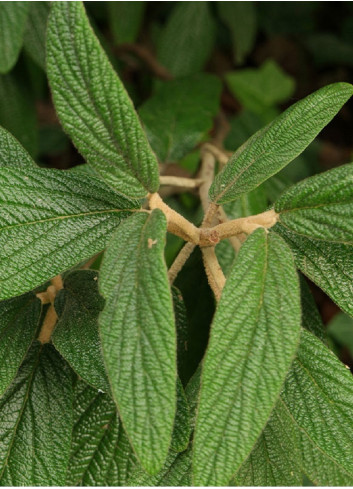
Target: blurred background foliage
(196, 70)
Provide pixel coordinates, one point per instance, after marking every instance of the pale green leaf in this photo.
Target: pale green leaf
(35, 33)
(50, 220)
(138, 335)
(320, 206)
(277, 144)
(187, 39)
(13, 17)
(179, 114)
(240, 18)
(329, 265)
(17, 111)
(12, 152)
(19, 321)
(253, 339)
(258, 89)
(125, 20)
(318, 394)
(94, 107)
(100, 454)
(76, 337)
(276, 459)
(36, 421)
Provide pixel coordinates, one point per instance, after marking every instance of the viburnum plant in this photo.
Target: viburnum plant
(92, 390)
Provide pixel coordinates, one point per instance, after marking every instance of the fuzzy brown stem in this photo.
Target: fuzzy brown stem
(180, 181)
(214, 272)
(180, 261)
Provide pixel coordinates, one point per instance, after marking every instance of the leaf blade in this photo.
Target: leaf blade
(94, 107)
(263, 283)
(13, 17)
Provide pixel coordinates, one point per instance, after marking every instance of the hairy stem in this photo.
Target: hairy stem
(180, 181)
(214, 272)
(179, 261)
(51, 317)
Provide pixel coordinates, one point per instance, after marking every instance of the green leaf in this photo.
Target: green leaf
(258, 89)
(274, 146)
(19, 320)
(35, 33)
(13, 17)
(50, 220)
(340, 329)
(179, 114)
(93, 106)
(320, 206)
(138, 335)
(182, 331)
(253, 339)
(12, 152)
(187, 39)
(182, 428)
(276, 459)
(311, 319)
(318, 394)
(36, 421)
(76, 334)
(240, 18)
(125, 20)
(100, 452)
(329, 265)
(17, 111)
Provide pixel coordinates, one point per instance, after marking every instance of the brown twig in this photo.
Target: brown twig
(147, 57)
(180, 261)
(51, 316)
(214, 272)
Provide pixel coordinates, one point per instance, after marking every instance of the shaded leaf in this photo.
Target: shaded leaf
(13, 17)
(125, 20)
(35, 33)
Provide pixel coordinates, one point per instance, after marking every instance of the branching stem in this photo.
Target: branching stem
(48, 297)
(180, 261)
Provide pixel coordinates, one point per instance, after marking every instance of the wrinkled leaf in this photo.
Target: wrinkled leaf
(245, 367)
(138, 335)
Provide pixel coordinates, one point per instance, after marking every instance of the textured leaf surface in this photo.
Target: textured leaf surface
(36, 421)
(276, 459)
(182, 331)
(50, 220)
(274, 146)
(311, 319)
(240, 18)
(261, 88)
(17, 111)
(187, 39)
(138, 335)
(12, 152)
(318, 394)
(329, 265)
(19, 320)
(76, 334)
(182, 429)
(35, 33)
(179, 114)
(125, 20)
(321, 206)
(100, 454)
(253, 339)
(93, 105)
(13, 17)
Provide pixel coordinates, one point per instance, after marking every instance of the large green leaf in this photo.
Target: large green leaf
(262, 88)
(19, 320)
(253, 339)
(100, 452)
(276, 459)
(187, 39)
(277, 144)
(125, 20)
(12, 152)
(318, 394)
(329, 265)
(240, 18)
(320, 206)
(50, 220)
(13, 17)
(35, 34)
(36, 421)
(94, 107)
(76, 337)
(179, 114)
(138, 335)
(17, 111)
